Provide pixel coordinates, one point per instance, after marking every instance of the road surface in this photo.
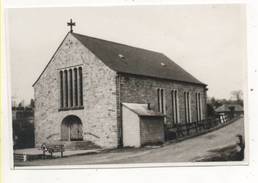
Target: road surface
(185, 151)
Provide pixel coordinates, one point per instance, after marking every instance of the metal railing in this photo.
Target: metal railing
(186, 129)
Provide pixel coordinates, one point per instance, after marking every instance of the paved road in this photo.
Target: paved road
(185, 151)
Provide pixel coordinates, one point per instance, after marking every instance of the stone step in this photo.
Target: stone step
(78, 145)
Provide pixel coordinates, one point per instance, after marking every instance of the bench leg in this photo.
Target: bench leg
(62, 154)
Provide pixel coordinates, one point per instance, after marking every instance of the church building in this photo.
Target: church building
(79, 96)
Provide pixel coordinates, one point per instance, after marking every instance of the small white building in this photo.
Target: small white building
(141, 125)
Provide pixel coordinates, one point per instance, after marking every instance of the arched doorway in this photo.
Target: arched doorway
(71, 129)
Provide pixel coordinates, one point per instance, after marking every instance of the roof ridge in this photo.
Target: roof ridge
(122, 44)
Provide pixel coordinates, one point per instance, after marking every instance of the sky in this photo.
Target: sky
(209, 41)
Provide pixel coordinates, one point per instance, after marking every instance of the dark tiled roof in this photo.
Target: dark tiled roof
(132, 60)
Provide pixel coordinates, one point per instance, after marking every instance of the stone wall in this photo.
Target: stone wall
(99, 116)
(140, 89)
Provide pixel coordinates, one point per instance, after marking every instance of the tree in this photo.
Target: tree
(238, 96)
(32, 103)
(20, 104)
(214, 102)
(210, 111)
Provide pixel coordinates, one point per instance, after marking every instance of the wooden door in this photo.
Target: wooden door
(76, 131)
(65, 132)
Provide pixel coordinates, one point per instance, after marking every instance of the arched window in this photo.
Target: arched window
(198, 106)
(161, 100)
(187, 102)
(174, 99)
(176, 107)
(158, 97)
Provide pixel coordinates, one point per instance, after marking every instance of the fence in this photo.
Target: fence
(20, 157)
(194, 128)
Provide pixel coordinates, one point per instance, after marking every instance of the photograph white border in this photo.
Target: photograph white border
(249, 95)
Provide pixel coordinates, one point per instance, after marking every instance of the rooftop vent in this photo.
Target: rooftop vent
(162, 64)
(121, 56)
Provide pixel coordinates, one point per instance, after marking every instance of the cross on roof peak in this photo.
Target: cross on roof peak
(71, 24)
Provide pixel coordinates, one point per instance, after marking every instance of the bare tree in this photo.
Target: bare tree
(32, 103)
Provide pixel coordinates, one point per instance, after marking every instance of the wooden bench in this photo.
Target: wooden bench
(52, 148)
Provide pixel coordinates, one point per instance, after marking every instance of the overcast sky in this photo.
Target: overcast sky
(209, 41)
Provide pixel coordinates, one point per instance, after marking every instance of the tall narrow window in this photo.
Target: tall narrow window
(187, 107)
(197, 106)
(81, 89)
(71, 87)
(76, 86)
(200, 106)
(66, 88)
(158, 96)
(61, 90)
(174, 106)
(161, 101)
(185, 103)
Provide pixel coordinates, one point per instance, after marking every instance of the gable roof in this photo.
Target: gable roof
(226, 108)
(131, 60)
(50, 60)
(223, 108)
(127, 59)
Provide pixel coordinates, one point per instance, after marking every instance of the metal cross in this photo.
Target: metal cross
(71, 24)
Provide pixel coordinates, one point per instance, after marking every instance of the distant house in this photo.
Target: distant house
(237, 109)
(230, 109)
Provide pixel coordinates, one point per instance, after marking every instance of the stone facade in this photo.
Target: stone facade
(99, 115)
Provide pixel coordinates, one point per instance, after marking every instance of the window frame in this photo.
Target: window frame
(71, 88)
